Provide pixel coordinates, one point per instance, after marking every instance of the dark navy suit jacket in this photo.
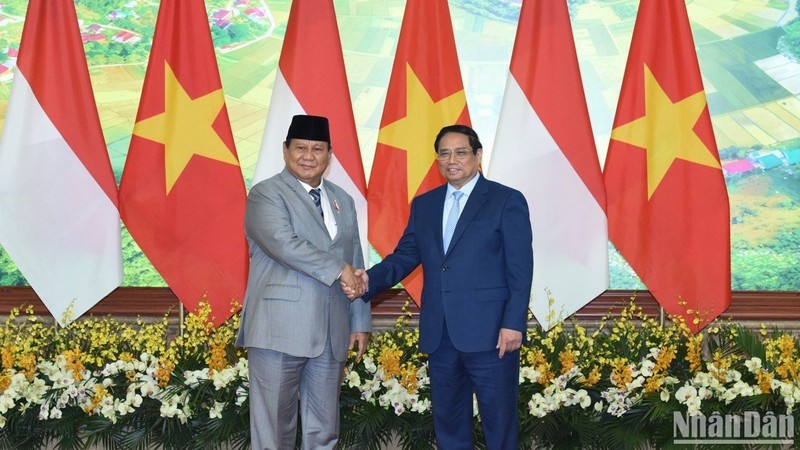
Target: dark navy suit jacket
(483, 283)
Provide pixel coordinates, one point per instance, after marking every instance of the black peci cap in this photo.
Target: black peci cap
(312, 128)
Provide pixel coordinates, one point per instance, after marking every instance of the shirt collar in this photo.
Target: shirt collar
(466, 189)
(308, 187)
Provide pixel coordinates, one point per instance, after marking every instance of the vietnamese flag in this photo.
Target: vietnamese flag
(318, 89)
(425, 94)
(182, 194)
(668, 211)
(545, 148)
(59, 220)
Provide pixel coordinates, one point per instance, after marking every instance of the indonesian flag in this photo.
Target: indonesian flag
(318, 89)
(182, 194)
(59, 220)
(545, 148)
(425, 94)
(668, 207)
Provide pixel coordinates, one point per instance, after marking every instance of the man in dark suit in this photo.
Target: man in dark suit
(473, 239)
(297, 323)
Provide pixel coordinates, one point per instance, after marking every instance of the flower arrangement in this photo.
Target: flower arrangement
(100, 382)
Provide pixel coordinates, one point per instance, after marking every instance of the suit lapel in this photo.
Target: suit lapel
(476, 200)
(337, 212)
(437, 215)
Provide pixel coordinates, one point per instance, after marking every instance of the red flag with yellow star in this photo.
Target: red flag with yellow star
(668, 211)
(425, 94)
(182, 195)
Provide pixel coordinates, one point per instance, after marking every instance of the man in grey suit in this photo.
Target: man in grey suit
(297, 324)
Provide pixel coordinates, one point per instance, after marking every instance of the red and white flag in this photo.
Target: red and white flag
(545, 148)
(318, 89)
(59, 221)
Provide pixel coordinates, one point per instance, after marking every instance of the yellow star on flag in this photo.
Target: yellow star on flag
(415, 132)
(185, 128)
(666, 131)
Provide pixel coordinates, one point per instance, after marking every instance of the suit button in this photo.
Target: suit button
(444, 268)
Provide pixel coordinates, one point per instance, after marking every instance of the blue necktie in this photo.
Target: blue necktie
(452, 219)
(317, 197)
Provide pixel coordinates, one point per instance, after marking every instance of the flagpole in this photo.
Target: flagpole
(181, 313)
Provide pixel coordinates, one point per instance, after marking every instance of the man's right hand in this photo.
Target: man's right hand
(353, 282)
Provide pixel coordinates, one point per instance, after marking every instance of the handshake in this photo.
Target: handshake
(354, 282)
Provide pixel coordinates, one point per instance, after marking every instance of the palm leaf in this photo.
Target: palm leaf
(750, 343)
(364, 425)
(212, 433)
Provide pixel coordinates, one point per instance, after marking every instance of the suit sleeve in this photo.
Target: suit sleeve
(268, 224)
(360, 312)
(397, 265)
(518, 248)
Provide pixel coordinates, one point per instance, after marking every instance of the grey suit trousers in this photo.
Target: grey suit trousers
(275, 379)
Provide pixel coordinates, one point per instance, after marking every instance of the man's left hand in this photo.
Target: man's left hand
(508, 341)
(362, 339)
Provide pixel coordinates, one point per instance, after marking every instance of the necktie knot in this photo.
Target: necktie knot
(317, 197)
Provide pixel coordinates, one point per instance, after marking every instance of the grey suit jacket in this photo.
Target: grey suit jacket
(293, 300)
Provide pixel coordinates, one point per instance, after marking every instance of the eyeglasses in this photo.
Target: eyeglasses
(461, 154)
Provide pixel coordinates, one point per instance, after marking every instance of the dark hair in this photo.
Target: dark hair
(474, 142)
